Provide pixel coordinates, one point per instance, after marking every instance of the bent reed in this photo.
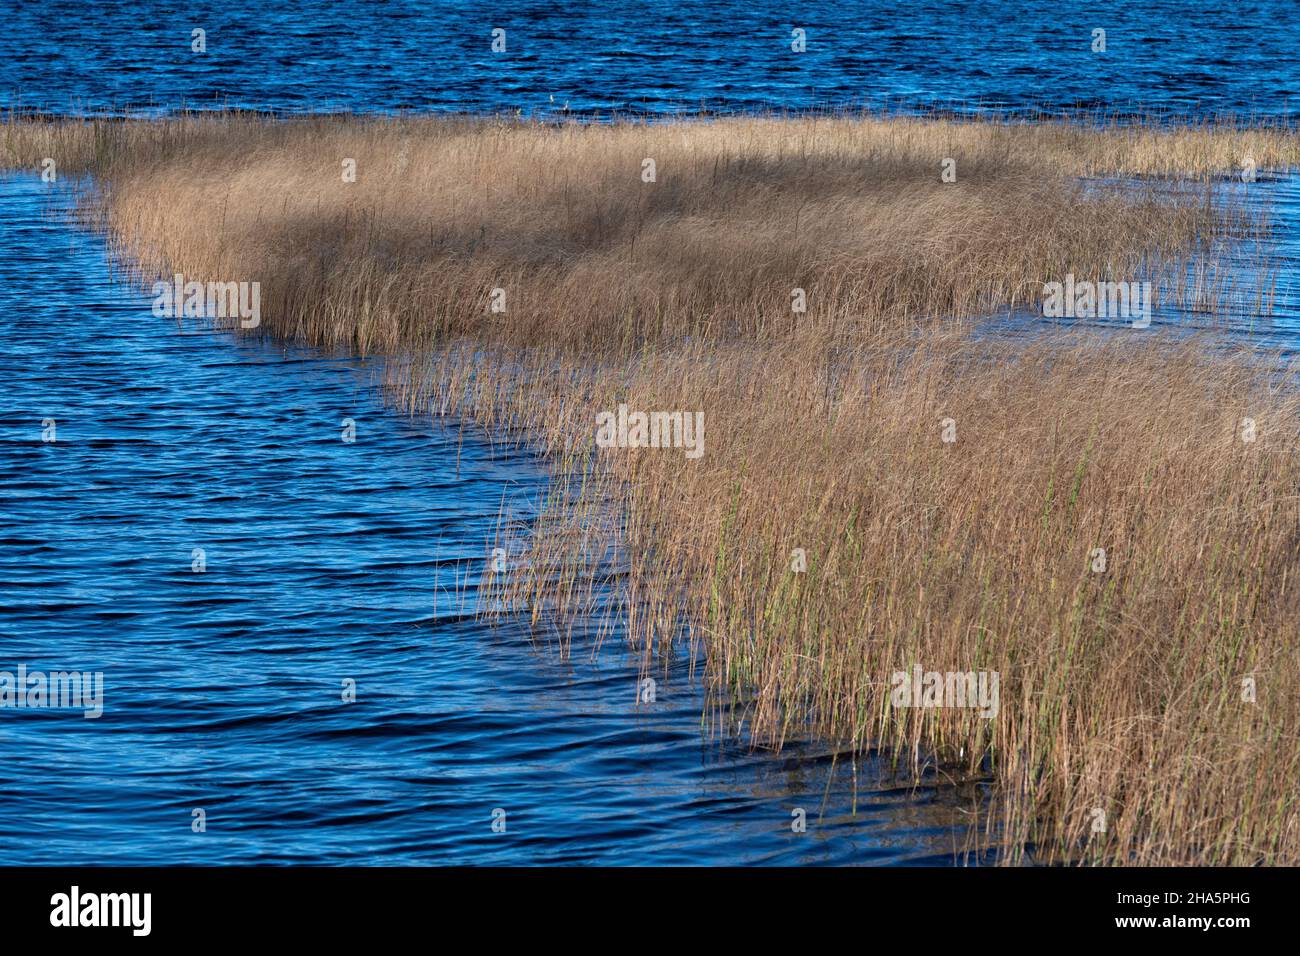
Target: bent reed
(951, 487)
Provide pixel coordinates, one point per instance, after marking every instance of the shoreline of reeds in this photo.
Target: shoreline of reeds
(1124, 733)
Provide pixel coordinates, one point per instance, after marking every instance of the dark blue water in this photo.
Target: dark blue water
(1178, 56)
(325, 561)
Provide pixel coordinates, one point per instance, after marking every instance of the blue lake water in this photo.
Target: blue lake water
(329, 561)
(1183, 56)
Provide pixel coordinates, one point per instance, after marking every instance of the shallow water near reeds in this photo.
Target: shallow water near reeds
(325, 562)
(1251, 304)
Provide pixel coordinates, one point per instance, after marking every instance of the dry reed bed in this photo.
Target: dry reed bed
(1121, 690)
(741, 213)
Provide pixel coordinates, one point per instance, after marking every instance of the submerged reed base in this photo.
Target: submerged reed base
(1107, 525)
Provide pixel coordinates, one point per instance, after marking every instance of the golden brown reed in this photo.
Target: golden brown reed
(741, 213)
(1121, 689)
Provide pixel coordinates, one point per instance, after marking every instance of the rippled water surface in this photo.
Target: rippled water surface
(326, 561)
(1169, 55)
